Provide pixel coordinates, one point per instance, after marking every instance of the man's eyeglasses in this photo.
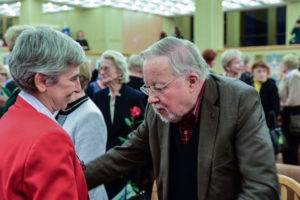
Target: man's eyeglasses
(155, 89)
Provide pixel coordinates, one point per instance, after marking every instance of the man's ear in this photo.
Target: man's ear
(193, 80)
(40, 81)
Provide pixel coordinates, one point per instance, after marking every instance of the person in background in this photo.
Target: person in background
(115, 103)
(38, 159)
(162, 35)
(206, 134)
(94, 71)
(247, 65)
(135, 66)
(210, 56)
(4, 92)
(83, 42)
(267, 89)
(233, 65)
(177, 33)
(10, 36)
(84, 122)
(95, 87)
(289, 93)
(296, 31)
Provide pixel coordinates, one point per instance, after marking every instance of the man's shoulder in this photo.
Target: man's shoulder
(227, 83)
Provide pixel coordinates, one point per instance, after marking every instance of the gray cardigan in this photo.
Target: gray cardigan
(88, 132)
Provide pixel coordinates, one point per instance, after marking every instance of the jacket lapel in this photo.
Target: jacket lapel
(165, 157)
(209, 115)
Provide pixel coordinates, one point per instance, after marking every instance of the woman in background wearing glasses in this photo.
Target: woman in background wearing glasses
(115, 103)
(4, 92)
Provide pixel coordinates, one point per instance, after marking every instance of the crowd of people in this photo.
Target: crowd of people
(163, 115)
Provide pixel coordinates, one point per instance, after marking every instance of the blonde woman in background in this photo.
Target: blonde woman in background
(115, 103)
(84, 122)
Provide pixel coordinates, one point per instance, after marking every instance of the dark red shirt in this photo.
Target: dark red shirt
(186, 126)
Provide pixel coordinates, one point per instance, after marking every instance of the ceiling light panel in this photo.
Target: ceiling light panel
(159, 7)
(164, 8)
(229, 5)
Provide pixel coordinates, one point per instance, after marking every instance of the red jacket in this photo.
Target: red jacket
(37, 158)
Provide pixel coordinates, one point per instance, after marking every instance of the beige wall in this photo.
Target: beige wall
(140, 30)
(118, 29)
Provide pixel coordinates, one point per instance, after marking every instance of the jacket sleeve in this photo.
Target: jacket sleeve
(254, 150)
(275, 101)
(50, 167)
(121, 159)
(283, 91)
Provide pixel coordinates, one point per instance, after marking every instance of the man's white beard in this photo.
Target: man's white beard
(170, 116)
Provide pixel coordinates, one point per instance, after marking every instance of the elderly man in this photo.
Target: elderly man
(206, 134)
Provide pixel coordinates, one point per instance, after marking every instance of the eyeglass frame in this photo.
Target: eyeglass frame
(154, 89)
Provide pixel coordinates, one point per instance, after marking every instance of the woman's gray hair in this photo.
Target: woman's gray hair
(291, 61)
(184, 56)
(43, 50)
(230, 55)
(135, 63)
(120, 62)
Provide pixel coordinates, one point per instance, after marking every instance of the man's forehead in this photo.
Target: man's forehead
(156, 67)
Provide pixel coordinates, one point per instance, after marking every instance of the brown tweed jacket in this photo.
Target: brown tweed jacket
(235, 155)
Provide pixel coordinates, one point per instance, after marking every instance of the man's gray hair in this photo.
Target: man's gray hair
(230, 55)
(43, 50)
(120, 62)
(291, 61)
(184, 56)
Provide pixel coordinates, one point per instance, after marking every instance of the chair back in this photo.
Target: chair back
(154, 191)
(286, 182)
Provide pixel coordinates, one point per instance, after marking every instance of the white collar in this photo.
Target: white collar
(291, 73)
(34, 102)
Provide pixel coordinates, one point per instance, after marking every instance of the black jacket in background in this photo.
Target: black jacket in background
(270, 99)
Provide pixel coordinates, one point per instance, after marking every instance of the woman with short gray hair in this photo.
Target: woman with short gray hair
(232, 63)
(44, 63)
(115, 103)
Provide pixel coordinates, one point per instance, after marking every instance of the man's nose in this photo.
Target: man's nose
(152, 98)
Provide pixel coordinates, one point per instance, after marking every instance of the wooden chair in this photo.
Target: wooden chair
(154, 191)
(286, 182)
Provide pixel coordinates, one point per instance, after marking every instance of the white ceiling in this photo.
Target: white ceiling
(159, 7)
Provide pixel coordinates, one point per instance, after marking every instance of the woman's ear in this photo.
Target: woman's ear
(40, 81)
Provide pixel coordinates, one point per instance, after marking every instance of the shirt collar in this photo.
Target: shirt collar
(109, 94)
(290, 73)
(195, 113)
(198, 104)
(35, 103)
